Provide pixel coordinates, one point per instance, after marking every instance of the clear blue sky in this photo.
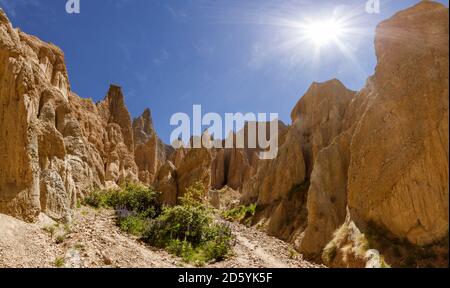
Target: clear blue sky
(227, 55)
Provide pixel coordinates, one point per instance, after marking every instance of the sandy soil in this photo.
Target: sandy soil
(93, 240)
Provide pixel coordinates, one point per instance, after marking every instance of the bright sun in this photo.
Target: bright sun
(322, 33)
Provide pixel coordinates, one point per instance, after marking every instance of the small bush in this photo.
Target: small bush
(218, 241)
(134, 197)
(97, 199)
(185, 223)
(134, 204)
(50, 229)
(240, 213)
(180, 248)
(293, 254)
(130, 222)
(194, 196)
(59, 262)
(216, 250)
(188, 231)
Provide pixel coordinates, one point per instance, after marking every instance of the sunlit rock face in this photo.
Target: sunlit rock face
(55, 146)
(320, 113)
(150, 152)
(33, 96)
(166, 183)
(280, 186)
(218, 168)
(382, 152)
(118, 151)
(398, 174)
(195, 167)
(327, 197)
(395, 176)
(242, 162)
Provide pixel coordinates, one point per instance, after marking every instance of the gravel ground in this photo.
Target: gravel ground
(93, 240)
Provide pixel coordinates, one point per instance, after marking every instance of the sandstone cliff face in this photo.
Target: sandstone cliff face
(382, 153)
(280, 186)
(398, 174)
(195, 167)
(326, 200)
(150, 152)
(55, 146)
(218, 168)
(167, 183)
(34, 89)
(273, 187)
(320, 113)
(242, 163)
(118, 151)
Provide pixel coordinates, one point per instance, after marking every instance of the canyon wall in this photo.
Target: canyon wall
(56, 146)
(375, 158)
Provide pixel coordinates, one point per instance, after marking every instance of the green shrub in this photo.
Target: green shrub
(187, 252)
(188, 230)
(59, 262)
(185, 223)
(206, 252)
(217, 249)
(137, 198)
(194, 195)
(180, 248)
(217, 231)
(132, 224)
(133, 197)
(240, 213)
(97, 199)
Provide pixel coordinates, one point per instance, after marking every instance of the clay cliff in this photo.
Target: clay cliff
(374, 160)
(56, 146)
(150, 153)
(360, 177)
(39, 137)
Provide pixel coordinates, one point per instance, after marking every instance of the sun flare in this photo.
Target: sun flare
(322, 33)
